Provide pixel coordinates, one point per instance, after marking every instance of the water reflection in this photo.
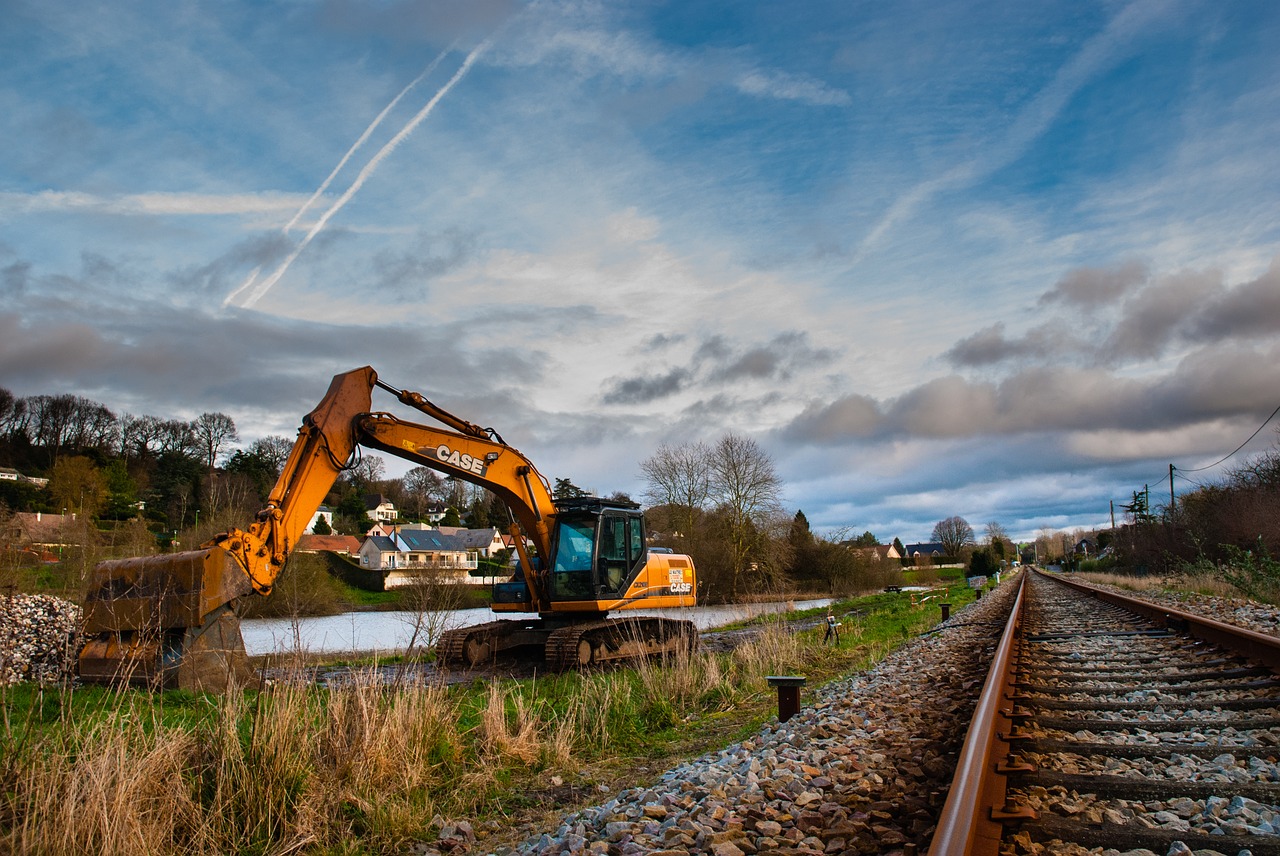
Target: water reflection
(391, 632)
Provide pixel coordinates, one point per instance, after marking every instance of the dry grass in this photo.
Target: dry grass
(278, 772)
(1206, 584)
(362, 768)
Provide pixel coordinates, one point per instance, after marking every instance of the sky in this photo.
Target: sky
(1001, 260)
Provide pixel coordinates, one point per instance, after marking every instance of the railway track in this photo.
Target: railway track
(1109, 724)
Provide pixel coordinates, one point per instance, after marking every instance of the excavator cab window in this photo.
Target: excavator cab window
(613, 562)
(621, 549)
(575, 549)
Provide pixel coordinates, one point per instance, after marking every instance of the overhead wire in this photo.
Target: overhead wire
(1237, 448)
(1178, 471)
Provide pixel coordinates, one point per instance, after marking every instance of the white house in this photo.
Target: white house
(379, 509)
(405, 555)
(324, 513)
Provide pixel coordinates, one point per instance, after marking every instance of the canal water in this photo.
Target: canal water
(392, 632)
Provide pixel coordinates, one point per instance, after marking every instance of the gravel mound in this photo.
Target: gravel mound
(39, 638)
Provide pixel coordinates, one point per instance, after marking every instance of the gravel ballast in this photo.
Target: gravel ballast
(39, 635)
(861, 769)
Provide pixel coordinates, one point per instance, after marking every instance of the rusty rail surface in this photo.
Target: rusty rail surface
(970, 823)
(967, 826)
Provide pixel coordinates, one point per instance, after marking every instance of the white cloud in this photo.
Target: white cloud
(151, 204)
(792, 87)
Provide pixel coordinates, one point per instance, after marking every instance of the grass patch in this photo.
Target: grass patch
(365, 768)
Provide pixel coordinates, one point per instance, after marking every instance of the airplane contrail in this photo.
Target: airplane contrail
(260, 289)
(365, 136)
(1097, 55)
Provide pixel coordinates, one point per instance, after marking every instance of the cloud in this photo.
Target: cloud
(1089, 288)
(1106, 48)
(717, 361)
(642, 390)
(150, 204)
(1248, 310)
(792, 87)
(990, 346)
(1206, 386)
(1145, 318)
(850, 417)
(409, 269)
(1151, 317)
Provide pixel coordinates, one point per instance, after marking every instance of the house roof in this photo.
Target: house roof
(449, 540)
(476, 538)
(40, 528)
(328, 544)
(373, 500)
(928, 548)
(383, 543)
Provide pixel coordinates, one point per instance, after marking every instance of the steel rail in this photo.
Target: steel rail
(1259, 647)
(967, 826)
(970, 821)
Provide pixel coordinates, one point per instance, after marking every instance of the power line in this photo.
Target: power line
(1237, 448)
(1178, 471)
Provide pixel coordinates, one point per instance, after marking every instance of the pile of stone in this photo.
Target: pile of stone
(39, 638)
(863, 768)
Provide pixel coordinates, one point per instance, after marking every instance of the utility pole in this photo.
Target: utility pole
(1113, 514)
(1171, 500)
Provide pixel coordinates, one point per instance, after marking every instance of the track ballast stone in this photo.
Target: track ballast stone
(863, 768)
(38, 638)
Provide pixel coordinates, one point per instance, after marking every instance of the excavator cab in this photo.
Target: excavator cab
(599, 549)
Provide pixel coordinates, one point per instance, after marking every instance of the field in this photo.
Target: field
(384, 762)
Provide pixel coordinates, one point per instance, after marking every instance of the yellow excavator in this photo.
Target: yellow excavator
(171, 620)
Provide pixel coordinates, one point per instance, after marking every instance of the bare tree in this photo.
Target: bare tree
(51, 417)
(998, 540)
(679, 478)
(177, 436)
(141, 436)
(748, 492)
(213, 431)
(14, 416)
(273, 449)
(996, 532)
(368, 470)
(954, 534)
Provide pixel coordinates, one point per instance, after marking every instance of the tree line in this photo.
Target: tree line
(722, 504)
(182, 475)
(184, 480)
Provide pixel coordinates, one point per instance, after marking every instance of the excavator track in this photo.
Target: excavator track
(593, 642)
(467, 647)
(573, 646)
(479, 644)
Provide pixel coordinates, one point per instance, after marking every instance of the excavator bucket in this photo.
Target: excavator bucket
(166, 622)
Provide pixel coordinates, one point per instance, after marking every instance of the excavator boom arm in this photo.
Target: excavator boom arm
(489, 463)
(169, 619)
(325, 443)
